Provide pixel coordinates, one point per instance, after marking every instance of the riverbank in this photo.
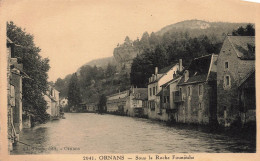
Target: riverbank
(247, 132)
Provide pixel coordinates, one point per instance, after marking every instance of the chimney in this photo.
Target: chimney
(180, 65)
(186, 75)
(156, 70)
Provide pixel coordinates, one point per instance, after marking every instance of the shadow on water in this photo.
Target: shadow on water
(94, 133)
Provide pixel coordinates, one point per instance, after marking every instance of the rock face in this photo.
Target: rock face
(124, 55)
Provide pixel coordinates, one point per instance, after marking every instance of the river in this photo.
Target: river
(88, 133)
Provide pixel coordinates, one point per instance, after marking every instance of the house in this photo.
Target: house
(15, 75)
(116, 103)
(154, 87)
(130, 102)
(167, 106)
(135, 103)
(52, 99)
(196, 98)
(91, 107)
(235, 80)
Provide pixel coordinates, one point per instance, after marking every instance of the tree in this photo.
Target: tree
(249, 30)
(62, 86)
(35, 66)
(127, 41)
(145, 41)
(74, 96)
(102, 104)
(111, 70)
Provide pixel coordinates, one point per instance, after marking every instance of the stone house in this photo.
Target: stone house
(15, 75)
(116, 103)
(235, 80)
(247, 98)
(154, 87)
(196, 98)
(129, 102)
(135, 103)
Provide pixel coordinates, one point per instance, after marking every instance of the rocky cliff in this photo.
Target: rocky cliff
(124, 55)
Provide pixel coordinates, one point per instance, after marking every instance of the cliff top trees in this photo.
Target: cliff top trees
(249, 30)
(35, 66)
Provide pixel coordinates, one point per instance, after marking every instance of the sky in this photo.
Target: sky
(74, 32)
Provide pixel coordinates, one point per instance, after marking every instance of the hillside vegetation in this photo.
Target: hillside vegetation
(136, 59)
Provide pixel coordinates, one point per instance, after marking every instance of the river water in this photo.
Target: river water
(86, 133)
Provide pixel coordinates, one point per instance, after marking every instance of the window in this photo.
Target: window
(153, 90)
(226, 65)
(150, 91)
(200, 106)
(200, 90)
(227, 81)
(189, 91)
(181, 92)
(168, 99)
(165, 99)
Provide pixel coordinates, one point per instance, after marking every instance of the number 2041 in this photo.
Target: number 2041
(88, 158)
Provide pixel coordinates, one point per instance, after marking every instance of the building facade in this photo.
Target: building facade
(15, 75)
(235, 64)
(167, 105)
(196, 98)
(154, 87)
(52, 99)
(116, 103)
(135, 103)
(91, 107)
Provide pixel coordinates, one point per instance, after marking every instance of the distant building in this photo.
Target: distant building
(236, 80)
(154, 87)
(196, 98)
(52, 99)
(116, 103)
(130, 102)
(135, 104)
(91, 107)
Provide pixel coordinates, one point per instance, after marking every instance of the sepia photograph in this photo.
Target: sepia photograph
(128, 80)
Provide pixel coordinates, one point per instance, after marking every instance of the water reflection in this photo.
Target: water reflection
(92, 133)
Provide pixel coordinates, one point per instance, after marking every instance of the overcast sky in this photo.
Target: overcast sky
(73, 32)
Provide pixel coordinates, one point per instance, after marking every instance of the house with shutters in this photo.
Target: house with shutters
(236, 81)
(196, 97)
(167, 106)
(154, 87)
